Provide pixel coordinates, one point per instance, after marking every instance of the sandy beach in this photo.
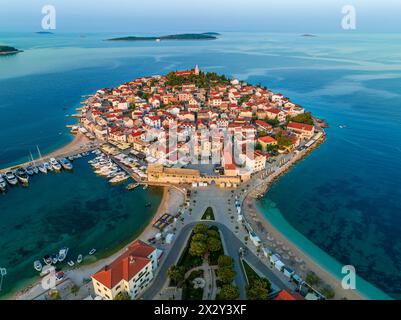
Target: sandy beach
(254, 216)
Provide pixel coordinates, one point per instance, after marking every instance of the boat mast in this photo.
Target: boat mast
(40, 155)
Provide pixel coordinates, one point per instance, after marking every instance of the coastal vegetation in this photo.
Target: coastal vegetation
(305, 118)
(258, 288)
(184, 36)
(8, 50)
(203, 80)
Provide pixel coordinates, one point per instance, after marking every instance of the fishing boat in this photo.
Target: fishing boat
(22, 175)
(11, 179)
(92, 251)
(80, 258)
(55, 259)
(48, 166)
(42, 168)
(48, 260)
(38, 266)
(55, 165)
(3, 184)
(62, 254)
(145, 187)
(71, 158)
(67, 165)
(121, 177)
(29, 171)
(132, 186)
(71, 263)
(32, 167)
(148, 205)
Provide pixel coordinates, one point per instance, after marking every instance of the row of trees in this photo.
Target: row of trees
(204, 240)
(226, 274)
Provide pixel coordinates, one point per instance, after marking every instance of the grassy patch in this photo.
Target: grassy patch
(250, 273)
(208, 215)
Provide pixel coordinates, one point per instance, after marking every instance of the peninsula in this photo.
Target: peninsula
(185, 36)
(215, 145)
(5, 50)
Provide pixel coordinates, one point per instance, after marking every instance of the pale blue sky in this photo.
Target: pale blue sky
(206, 15)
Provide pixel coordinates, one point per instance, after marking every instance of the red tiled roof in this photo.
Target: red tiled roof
(267, 139)
(300, 126)
(284, 295)
(126, 266)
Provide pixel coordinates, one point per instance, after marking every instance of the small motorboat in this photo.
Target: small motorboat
(42, 168)
(55, 165)
(48, 166)
(92, 251)
(71, 263)
(22, 175)
(38, 266)
(55, 259)
(48, 260)
(67, 165)
(35, 170)
(80, 258)
(29, 171)
(148, 205)
(11, 179)
(62, 254)
(3, 184)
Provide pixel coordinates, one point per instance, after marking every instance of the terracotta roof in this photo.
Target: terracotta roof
(267, 139)
(300, 126)
(285, 295)
(126, 266)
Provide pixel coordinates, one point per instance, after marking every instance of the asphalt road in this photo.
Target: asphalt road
(231, 245)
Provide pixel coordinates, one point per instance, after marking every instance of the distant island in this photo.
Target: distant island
(185, 36)
(44, 32)
(308, 35)
(8, 50)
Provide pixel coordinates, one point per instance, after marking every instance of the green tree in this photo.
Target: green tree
(74, 290)
(226, 274)
(199, 237)
(213, 244)
(225, 261)
(213, 234)
(198, 248)
(122, 296)
(303, 118)
(176, 274)
(312, 279)
(259, 289)
(228, 292)
(200, 228)
(328, 292)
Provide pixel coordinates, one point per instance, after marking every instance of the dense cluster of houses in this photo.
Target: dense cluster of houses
(184, 123)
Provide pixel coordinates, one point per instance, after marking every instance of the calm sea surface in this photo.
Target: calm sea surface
(342, 204)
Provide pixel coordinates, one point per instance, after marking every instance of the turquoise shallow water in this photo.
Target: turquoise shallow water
(78, 209)
(344, 198)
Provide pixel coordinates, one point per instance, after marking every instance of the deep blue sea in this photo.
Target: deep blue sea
(343, 200)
